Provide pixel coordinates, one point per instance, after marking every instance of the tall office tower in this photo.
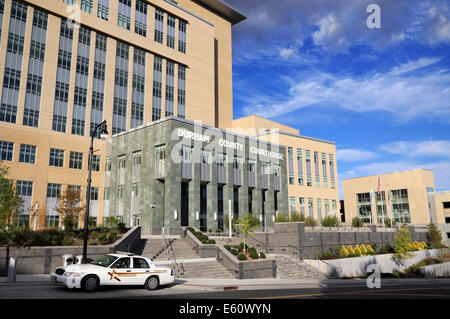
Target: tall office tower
(67, 65)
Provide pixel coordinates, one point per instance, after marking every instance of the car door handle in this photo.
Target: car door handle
(128, 270)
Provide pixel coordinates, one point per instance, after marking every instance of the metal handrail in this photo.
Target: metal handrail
(171, 254)
(336, 268)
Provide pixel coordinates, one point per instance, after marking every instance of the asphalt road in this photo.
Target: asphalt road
(341, 289)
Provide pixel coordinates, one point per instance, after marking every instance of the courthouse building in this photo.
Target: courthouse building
(311, 166)
(67, 65)
(175, 173)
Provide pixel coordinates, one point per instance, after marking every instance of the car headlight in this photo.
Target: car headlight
(73, 274)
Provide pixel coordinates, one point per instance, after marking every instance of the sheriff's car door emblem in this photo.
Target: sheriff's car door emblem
(113, 274)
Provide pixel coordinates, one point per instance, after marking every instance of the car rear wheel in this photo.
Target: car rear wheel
(152, 283)
(89, 283)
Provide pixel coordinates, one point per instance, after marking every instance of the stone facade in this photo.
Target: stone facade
(180, 179)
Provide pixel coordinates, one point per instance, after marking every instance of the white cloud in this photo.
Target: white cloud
(336, 26)
(354, 155)
(403, 95)
(414, 65)
(436, 148)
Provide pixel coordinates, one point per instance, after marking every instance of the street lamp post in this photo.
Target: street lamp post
(103, 136)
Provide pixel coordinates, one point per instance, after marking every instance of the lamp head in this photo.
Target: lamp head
(104, 131)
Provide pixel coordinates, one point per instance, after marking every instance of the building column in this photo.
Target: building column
(194, 196)
(212, 201)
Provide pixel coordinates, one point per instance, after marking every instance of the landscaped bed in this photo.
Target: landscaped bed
(24, 237)
(369, 250)
(250, 252)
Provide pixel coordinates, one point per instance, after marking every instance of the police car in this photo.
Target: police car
(113, 269)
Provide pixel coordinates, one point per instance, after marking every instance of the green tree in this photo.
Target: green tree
(69, 208)
(10, 203)
(402, 245)
(435, 236)
(246, 225)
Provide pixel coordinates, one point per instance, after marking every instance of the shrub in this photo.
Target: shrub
(350, 250)
(357, 222)
(363, 249)
(242, 257)
(211, 241)
(370, 250)
(435, 237)
(282, 218)
(357, 251)
(113, 235)
(227, 247)
(241, 247)
(309, 221)
(343, 252)
(253, 255)
(324, 255)
(234, 251)
(103, 237)
(262, 255)
(252, 250)
(121, 227)
(330, 221)
(296, 217)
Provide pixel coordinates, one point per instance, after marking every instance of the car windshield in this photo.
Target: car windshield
(104, 261)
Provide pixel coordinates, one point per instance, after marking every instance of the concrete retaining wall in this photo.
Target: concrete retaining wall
(436, 271)
(203, 250)
(248, 269)
(43, 260)
(357, 266)
(308, 242)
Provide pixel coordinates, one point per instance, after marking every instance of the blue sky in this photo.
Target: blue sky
(382, 95)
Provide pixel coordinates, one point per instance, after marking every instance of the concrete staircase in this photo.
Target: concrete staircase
(191, 264)
(291, 268)
(206, 269)
(155, 249)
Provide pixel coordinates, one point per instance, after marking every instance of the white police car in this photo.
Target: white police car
(113, 269)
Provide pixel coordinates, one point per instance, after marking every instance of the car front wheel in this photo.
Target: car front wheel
(89, 284)
(152, 283)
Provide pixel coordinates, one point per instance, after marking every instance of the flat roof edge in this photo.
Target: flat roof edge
(223, 9)
(407, 171)
(250, 138)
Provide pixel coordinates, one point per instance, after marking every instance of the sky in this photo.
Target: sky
(381, 94)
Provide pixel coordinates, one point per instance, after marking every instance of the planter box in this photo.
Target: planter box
(246, 269)
(357, 266)
(203, 250)
(436, 271)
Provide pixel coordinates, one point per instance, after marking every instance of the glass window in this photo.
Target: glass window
(6, 150)
(76, 160)
(122, 263)
(103, 9)
(53, 190)
(27, 154)
(24, 188)
(56, 157)
(96, 159)
(140, 263)
(87, 5)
